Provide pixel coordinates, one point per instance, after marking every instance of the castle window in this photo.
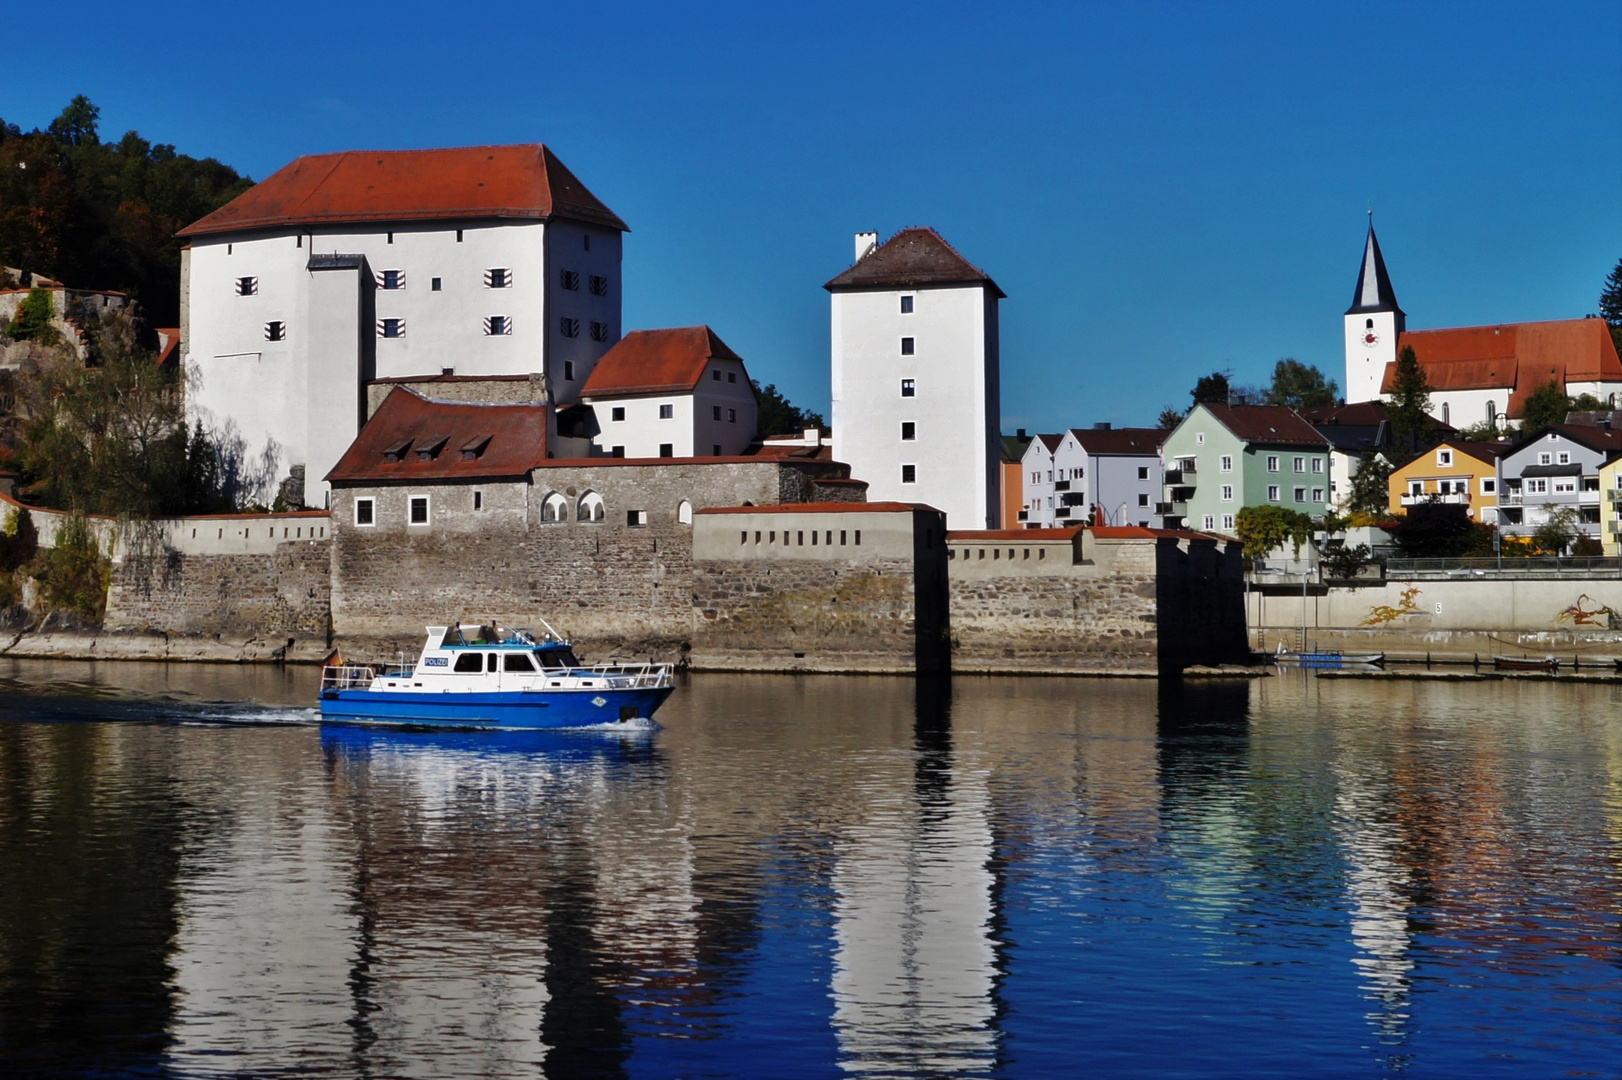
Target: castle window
(275, 331)
(909, 431)
(906, 346)
(497, 326)
(478, 500)
(391, 328)
(732, 416)
(715, 374)
(391, 238)
(598, 285)
(684, 515)
(667, 412)
(569, 327)
(715, 412)
(908, 388)
(247, 286)
(391, 279)
(458, 236)
(909, 474)
(568, 371)
(616, 451)
(365, 512)
(732, 377)
(571, 280)
(419, 510)
(433, 284)
(591, 504)
(636, 519)
(498, 277)
(715, 449)
(906, 305)
(617, 413)
(599, 331)
(587, 239)
(555, 508)
(667, 449)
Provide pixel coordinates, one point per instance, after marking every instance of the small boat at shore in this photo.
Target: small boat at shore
(498, 679)
(1549, 664)
(1329, 658)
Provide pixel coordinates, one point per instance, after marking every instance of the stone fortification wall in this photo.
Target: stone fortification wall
(1070, 602)
(1455, 619)
(619, 586)
(827, 587)
(491, 389)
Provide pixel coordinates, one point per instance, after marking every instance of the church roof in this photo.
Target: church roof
(912, 257)
(1513, 357)
(656, 361)
(1374, 291)
(525, 181)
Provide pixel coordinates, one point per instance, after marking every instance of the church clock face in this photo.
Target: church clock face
(1370, 339)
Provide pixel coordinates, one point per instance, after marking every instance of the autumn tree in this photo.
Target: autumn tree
(1266, 528)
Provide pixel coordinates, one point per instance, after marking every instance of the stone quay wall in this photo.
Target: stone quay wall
(866, 594)
(1072, 602)
(620, 587)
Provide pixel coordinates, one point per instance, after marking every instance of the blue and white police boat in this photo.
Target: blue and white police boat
(492, 678)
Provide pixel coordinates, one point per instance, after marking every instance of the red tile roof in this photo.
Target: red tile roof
(823, 508)
(463, 183)
(912, 257)
(972, 536)
(656, 361)
(1357, 414)
(1270, 425)
(1519, 357)
(1120, 441)
(517, 441)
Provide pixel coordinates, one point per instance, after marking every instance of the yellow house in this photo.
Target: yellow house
(1610, 504)
(1453, 471)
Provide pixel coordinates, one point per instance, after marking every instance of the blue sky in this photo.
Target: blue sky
(1161, 189)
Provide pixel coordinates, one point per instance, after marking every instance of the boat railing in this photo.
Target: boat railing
(647, 676)
(348, 676)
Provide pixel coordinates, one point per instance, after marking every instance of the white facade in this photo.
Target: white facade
(1371, 344)
(920, 426)
(282, 358)
(716, 418)
(1036, 480)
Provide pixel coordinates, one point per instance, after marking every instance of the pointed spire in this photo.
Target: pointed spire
(1374, 292)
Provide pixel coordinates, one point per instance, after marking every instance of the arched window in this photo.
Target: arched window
(555, 508)
(1612, 401)
(1445, 411)
(1368, 324)
(591, 507)
(1492, 412)
(684, 512)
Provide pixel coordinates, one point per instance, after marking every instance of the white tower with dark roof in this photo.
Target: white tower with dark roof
(1373, 323)
(916, 408)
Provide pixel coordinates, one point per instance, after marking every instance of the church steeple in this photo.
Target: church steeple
(1374, 292)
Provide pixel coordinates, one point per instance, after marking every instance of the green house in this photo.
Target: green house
(1223, 457)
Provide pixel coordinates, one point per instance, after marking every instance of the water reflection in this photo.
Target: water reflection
(803, 876)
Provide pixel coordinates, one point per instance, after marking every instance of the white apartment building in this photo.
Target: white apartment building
(1115, 472)
(669, 393)
(916, 408)
(341, 268)
(1037, 483)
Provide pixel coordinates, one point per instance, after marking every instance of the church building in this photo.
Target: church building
(339, 269)
(1476, 373)
(916, 408)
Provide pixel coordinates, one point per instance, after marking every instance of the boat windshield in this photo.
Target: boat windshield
(555, 659)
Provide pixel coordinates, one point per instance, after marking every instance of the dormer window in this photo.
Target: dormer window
(429, 448)
(396, 451)
(247, 286)
(475, 447)
(498, 278)
(391, 279)
(1444, 458)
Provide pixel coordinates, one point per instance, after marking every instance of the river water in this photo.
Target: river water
(814, 877)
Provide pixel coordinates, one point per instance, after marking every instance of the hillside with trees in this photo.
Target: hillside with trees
(103, 215)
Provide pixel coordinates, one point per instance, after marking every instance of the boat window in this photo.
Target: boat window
(517, 662)
(491, 665)
(555, 659)
(468, 662)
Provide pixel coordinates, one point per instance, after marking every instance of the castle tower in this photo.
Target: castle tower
(916, 409)
(1373, 323)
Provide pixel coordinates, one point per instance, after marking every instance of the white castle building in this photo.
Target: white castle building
(343, 268)
(916, 411)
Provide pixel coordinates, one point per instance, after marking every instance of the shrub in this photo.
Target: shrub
(1344, 562)
(74, 574)
(33, 318)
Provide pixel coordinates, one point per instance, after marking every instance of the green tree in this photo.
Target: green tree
(1557, 533)
(73, 573)
(1169, 418)
(1370, 492)
(1546, 405)
(1610, 303)
(1265, 528)
(1435, 531)
(76, 124)
(33, 319)
(1211, 389)
(776, 415)
(1300, 386)
(1409, 410)
(1486, 431)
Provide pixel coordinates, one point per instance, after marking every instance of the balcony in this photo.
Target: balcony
(1451, 498)
(1164, 508)
(1024, 515)
(1061, 512)
(1061, 485)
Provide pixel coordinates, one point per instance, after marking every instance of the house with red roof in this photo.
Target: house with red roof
(340, 269)
(1476, 373)
(678, 392)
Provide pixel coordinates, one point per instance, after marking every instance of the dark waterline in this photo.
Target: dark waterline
(813, 877)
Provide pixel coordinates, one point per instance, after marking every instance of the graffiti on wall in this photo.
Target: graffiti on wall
(1589, 612)
(1383, 614)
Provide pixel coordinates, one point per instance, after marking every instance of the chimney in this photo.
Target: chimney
(812, 436)
(865, 242)
(1100, 427)
(1021, 434)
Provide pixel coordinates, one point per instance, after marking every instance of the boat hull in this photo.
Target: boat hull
(509, 711)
